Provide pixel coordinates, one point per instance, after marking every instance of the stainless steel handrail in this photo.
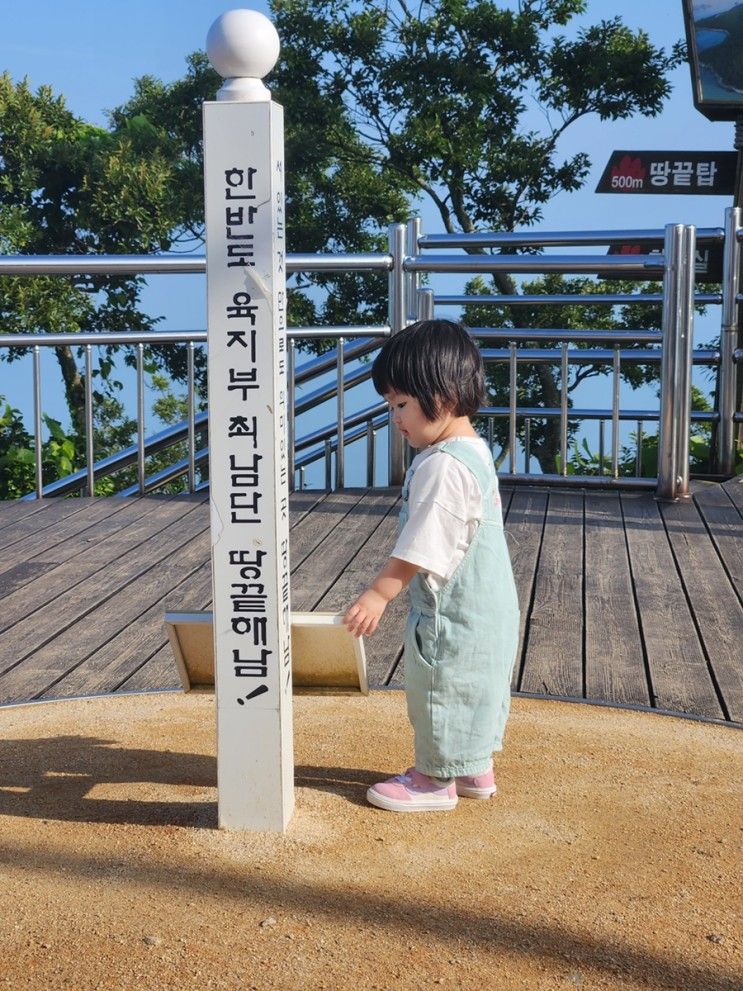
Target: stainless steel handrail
(405, 262)
(545, 239)
(590, 299)
(645, 266)
(177, 264)
(78, 481)
(643, 356)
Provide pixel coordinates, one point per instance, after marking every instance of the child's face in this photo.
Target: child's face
(410, 420)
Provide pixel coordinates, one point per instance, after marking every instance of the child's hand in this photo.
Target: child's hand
(362, 618)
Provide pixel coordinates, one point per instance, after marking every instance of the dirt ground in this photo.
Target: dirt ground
(610, 857)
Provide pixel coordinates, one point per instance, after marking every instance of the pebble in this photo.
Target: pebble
(151, 940)
(270, 921)
(715, 938)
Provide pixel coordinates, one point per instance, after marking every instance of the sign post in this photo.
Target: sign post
(248, 458)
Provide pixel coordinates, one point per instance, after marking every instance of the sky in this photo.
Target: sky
(91, 51)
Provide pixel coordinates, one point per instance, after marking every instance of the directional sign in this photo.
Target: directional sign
(701, 173)
(708, 260)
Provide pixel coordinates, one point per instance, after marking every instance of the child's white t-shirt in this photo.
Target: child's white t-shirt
(445, 506)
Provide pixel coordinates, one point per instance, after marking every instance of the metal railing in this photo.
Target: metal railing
(410, 256)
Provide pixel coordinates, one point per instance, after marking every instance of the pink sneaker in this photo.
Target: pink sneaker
(477, 786)
(412, 792)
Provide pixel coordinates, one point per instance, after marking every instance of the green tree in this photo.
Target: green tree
(465, 102)
(67, 187)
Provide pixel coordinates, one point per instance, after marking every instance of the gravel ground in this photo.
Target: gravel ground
(610, 857)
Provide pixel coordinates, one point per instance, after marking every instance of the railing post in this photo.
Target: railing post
(685, 347)
(398, 320)
(248, 459)
(140, 421)
(672, 309)
(89, 438)
(340, 461)
(291, 386)
(425, 304)
(38, 468)
(728, 342)
(412, 279)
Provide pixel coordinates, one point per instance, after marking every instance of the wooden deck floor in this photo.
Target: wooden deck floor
(623, 600)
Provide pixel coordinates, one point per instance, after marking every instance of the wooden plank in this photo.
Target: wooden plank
(49, 513)
(121, 654)
(734, 488)
(725, 526)
(370, 557)
(44, 623)
(313, 528)
(554, 635)
(157, 674)
(679, 678)
(43, 551)
(12, 510)
(114, 602)
(524, 523)
(59, 580)
(715, 604)
(615, 664)
(314, 576)
(302, 503)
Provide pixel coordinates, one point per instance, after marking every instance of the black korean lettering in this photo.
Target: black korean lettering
(243, 426)
(243, 382)
(242, 308)
(245, 338)
(251, 667)
(250, 567)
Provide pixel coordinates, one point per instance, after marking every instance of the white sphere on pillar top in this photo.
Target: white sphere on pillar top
(243, 46)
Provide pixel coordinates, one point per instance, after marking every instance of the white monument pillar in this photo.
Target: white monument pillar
(248, 462)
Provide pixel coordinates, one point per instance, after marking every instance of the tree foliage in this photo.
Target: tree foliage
(464, 101)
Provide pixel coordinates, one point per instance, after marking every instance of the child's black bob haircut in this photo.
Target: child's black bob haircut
(436, 362)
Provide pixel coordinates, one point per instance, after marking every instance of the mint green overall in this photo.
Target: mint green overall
(461, 641)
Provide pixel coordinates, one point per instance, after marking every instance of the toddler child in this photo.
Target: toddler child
(462, 631)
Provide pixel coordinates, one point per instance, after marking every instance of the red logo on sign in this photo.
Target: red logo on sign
(629, 174)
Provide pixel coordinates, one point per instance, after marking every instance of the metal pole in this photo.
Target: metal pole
(638, 460)
(672, 305)
(290, 389)
(728, 342)
(191, 420)
(564, 408)
(513, 390)
(413, 279)
(89, 447)
(685, 345)
(527, 446)
(37, 422)
(425, 304)
(140, 419)
(370, 453)
(602, 445)
(341, 414)
(328, 466)
(615, 413)
(397, 320)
